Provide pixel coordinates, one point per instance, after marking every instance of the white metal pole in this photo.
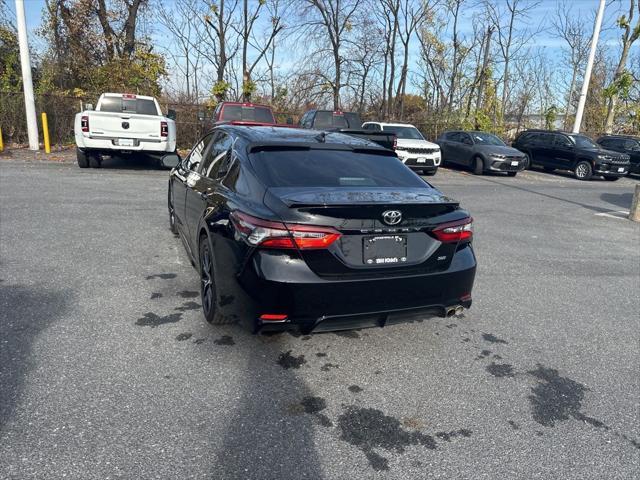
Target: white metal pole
(25, 63)
(587, 73)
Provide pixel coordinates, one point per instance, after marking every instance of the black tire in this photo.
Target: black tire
(512, 174)
(81, 157)
(208, 292)
(527, 161)
(548, 169)
(583, 170)
(611, 179)
(478, 166)
(94, 160)
(430, 173)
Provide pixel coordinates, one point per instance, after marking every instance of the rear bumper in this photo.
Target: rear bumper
(111, 144)
(312, 303)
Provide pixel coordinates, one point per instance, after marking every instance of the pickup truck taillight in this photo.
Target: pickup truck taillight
(84, 123)
(164, 129)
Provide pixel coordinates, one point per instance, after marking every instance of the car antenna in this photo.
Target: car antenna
(321, 137)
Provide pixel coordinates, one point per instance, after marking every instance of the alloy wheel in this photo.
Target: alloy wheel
(207, 286)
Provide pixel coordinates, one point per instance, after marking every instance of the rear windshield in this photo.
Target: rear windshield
(331, 168)
(247, 114)
(128, 105)
(337, 120)
(405, 133)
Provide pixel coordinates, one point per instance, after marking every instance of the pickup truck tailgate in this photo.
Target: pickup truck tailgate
(124, 125)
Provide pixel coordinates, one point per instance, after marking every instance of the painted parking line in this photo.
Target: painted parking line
(619, 214)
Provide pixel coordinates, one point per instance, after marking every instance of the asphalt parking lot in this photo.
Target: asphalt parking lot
(107, 369)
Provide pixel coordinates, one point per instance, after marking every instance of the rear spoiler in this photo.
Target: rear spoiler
(262, 146)
(249, 123)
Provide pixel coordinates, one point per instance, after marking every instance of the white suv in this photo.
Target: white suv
(414, 151)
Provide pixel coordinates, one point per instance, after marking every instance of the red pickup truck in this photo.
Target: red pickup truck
(243, 114)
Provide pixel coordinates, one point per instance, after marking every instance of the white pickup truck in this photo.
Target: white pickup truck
(122, 124)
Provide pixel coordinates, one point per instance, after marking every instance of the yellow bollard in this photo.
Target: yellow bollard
(45, 129)
(1, 144)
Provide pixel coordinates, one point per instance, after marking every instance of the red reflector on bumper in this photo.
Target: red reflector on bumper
(465, 298)
(270, 317)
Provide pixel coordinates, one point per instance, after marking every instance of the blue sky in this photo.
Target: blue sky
(546, 8)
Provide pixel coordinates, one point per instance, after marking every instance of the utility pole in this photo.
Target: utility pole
(587, 73)
(27, 83)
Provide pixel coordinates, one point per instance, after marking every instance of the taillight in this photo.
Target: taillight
(454, 232)
(395, 142)
(268, 234)
(84, 123)
(164, 129)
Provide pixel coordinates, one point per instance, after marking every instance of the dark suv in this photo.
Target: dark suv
(624, 144)
(571, 151)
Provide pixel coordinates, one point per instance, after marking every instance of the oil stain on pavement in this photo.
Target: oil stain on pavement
(370, 429)
(163, 276)
(188, 306)
(184, 336)
(557, 399)
(500, 369)
(491, 338)
(225, 340)
(188, 294)
(152, 320)
(287, 361)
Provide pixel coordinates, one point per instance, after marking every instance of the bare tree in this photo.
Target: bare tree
(511, 40)
(246, 34)
(412, 16)
(334, 18)
(570, 27)
(622, 79)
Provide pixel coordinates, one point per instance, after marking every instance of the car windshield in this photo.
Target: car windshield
(128, 105)
(247, 114)
(482, 138)
(331, 168)
(405, 133)
(583, 142)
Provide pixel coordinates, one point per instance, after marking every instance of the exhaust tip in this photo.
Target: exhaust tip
(459, 310)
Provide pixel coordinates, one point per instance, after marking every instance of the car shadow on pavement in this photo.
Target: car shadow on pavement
(271, 432)
(132, 162)
(622, 200)
(24, 313)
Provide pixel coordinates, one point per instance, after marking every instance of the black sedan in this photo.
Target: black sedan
(308, 230)
(481, 152)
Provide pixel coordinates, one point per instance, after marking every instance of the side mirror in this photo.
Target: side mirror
(88, 106)
(171, 114)
(289, 121)
(170, 160)
(466, 141)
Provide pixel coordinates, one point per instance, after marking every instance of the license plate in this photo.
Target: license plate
(384, 250)
(421, 160)
(514, 164)
(125, 142)
(620, 170)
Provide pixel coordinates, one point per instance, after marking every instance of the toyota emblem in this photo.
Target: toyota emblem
(125, 125)
(392, 217)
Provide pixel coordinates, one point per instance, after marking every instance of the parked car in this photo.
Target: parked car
(411, 147)
(571, 151)
(123, 123)
(289, 229)
(348, 123)
(624, 144)
(480, 151)
(237, 112)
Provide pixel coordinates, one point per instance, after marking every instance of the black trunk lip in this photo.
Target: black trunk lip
(335, 197)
